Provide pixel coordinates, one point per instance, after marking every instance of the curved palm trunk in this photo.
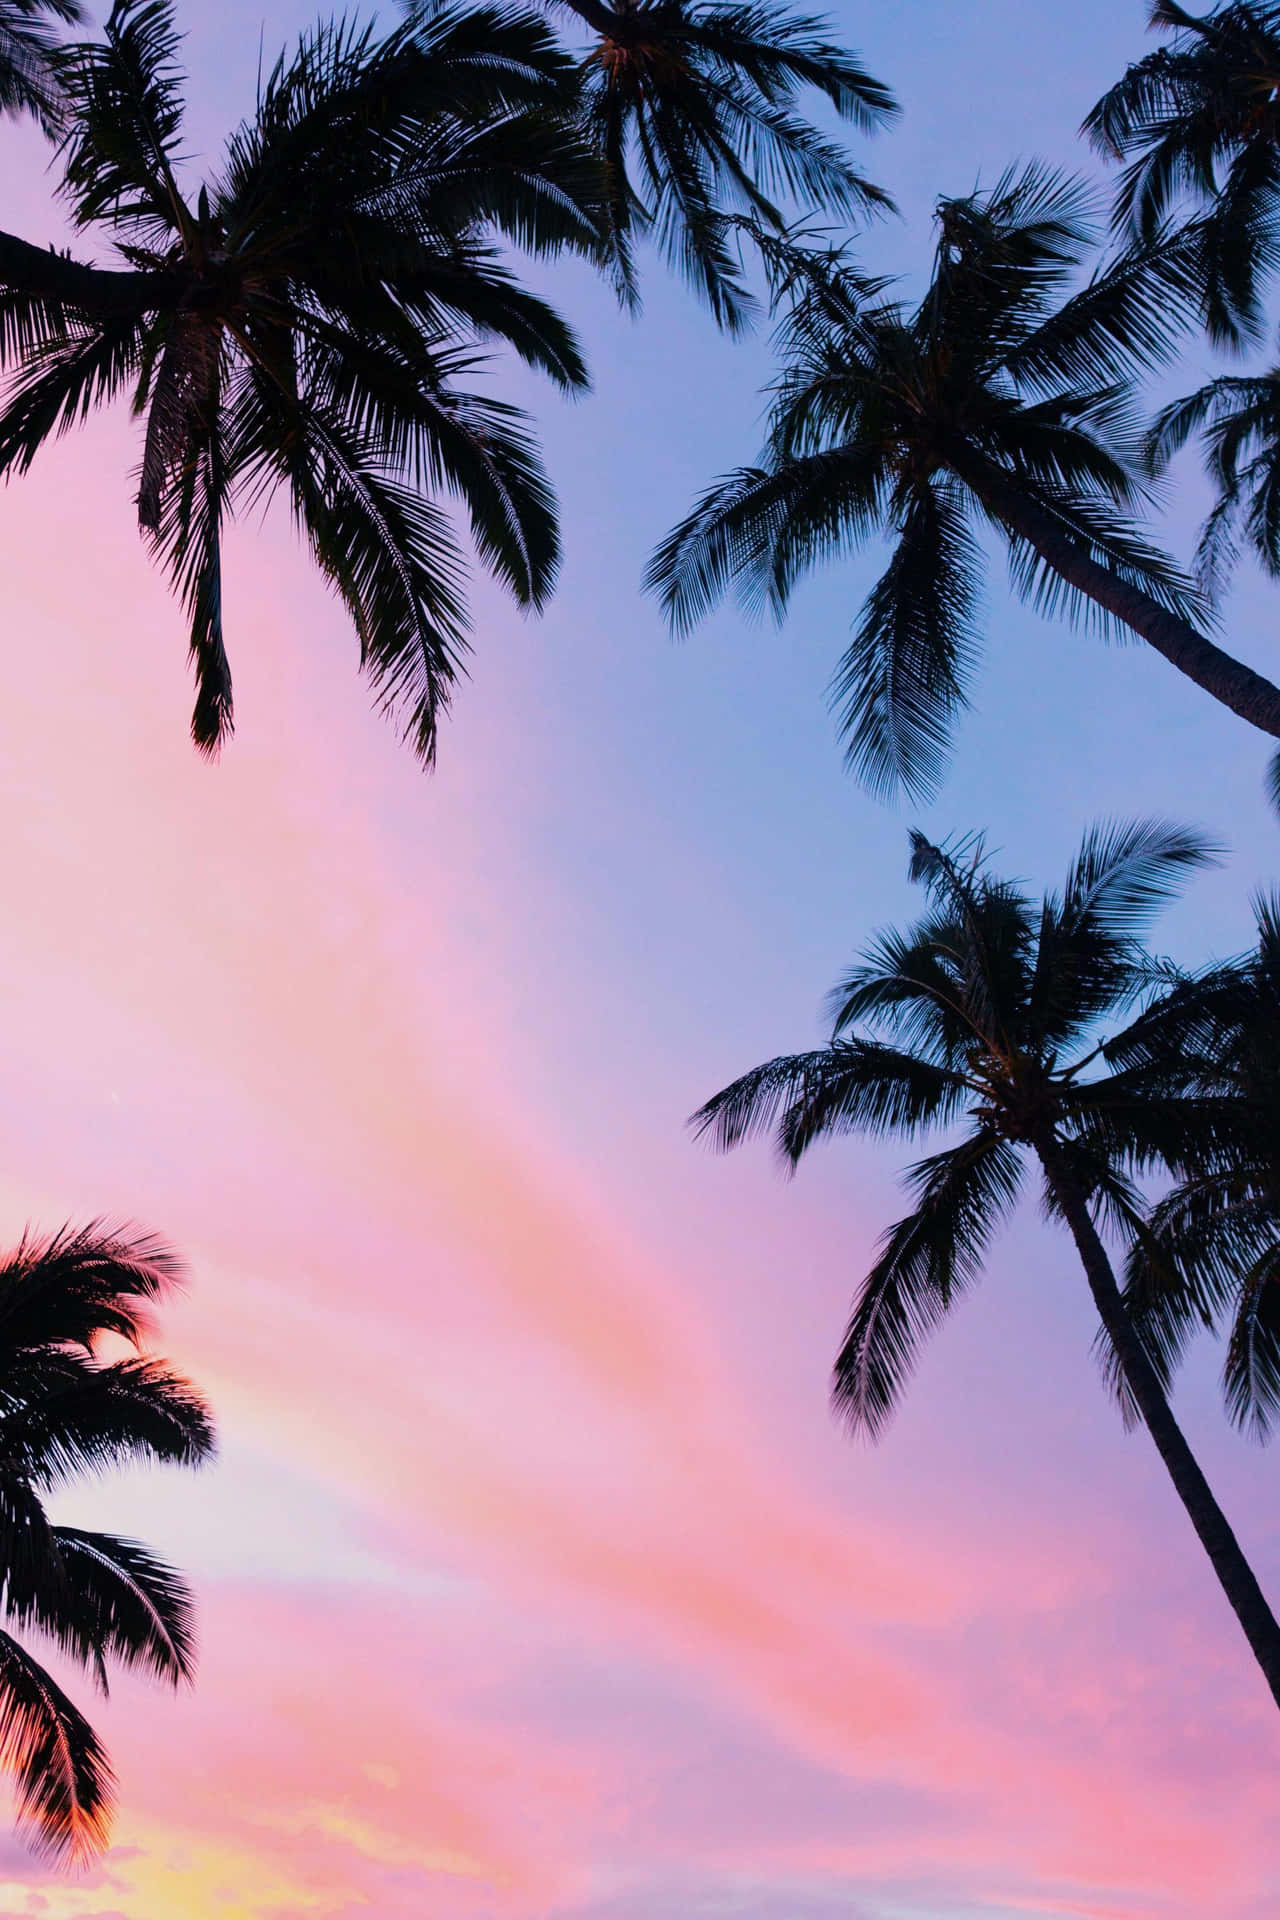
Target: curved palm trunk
(97, 290)
(1235, 1575)
(1237, 686)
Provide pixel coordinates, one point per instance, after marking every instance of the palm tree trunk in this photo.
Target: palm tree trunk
(1235, 1575)
(101, 291)
(1237, 686)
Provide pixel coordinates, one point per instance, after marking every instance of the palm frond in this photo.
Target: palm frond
(905, 678)
(1127, 871)
(73, 369)
(113, 1601)
(125, 122)
(758, 529)
(65, 1417)
(65, 1787)
(69, 1287)
(926, 1260)
(1128, 319)
(849, 1086)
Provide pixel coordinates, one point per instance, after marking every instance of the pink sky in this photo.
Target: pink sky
(535, 1579)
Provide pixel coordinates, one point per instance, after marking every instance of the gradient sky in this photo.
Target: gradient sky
(536, 1578)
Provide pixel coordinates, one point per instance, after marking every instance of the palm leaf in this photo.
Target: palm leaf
(113, 1600)
(926, 1260)
(65, 1787)
(905, 678)
(849, 1086)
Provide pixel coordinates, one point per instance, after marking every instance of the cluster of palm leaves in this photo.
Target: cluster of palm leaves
(68, 1409)
(316, 319)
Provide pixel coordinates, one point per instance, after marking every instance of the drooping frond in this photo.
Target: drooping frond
(65, 1787)
(926, 1260)
(757, 530)
(73, 368)
(65, 1417)
(695, 109)
(847, 1087)
(111, 1601)
(905, 677)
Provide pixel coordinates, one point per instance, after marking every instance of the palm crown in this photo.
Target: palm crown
(693, 106)
(997, 400)
(1198, 122)
(986, 1014)
(310, 319)
(67, 1410)
(986, 1017)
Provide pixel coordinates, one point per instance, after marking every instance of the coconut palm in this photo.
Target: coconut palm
(66, 1410)
(1212, 1254)
(1198, 123)
(693, 105)
(28, 76)
(985, 1019)
(312, 318)
(995, 402)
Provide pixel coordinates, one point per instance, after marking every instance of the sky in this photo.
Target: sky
(536, 1578)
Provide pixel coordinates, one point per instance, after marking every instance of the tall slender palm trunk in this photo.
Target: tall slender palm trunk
(1235, 1576)
(1230, 681)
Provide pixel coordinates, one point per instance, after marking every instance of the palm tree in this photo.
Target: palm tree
(1198, 122)
(312, 318)
(692, 104)
(985, 1016)
(65, 1411)
(28, 75)
(1212, 1253)
(994, 402)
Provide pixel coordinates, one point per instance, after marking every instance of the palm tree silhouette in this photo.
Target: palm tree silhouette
(1198, 123)
(985, 1016)
(311, 320)
(993, 403)
(66, 1410)
(693, 105)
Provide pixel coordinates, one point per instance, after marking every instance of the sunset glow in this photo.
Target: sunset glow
(536, 1578)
